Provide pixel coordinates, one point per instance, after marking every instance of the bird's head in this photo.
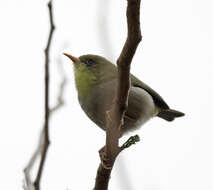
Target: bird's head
(91, 70)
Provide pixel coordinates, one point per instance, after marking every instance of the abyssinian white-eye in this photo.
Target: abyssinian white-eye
(96, 82)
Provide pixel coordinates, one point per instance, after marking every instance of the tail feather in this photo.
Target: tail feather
(169, 114)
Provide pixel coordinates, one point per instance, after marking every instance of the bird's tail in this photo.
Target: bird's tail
(169, 114)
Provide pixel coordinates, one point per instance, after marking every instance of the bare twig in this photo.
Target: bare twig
(28, 181)
(44, 137)
(46, 119)
(121, 99)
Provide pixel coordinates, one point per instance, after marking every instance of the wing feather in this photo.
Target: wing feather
(156, 97)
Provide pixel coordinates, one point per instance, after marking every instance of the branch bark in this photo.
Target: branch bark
(119, 108)
(44, 137)
(28, 184)
(46, 108)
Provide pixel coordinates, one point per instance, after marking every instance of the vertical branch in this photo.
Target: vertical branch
(43, 143)
(46, 118)
(115, 117)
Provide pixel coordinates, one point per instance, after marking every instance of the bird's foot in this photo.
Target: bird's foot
(132, 140)
(105, 161)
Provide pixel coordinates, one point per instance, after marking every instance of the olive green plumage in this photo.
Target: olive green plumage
(96, 82)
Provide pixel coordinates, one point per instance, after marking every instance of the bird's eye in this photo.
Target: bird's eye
(89, 62)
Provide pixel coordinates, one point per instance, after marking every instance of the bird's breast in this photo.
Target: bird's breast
(141, 106)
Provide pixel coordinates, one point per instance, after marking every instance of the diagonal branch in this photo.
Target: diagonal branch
(28, 184)
(121, 98)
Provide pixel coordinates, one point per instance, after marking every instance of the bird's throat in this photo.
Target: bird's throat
(84, 81)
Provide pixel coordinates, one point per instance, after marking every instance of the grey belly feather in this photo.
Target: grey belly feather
(140, 109)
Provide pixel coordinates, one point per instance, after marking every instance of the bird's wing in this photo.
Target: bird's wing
(156, 97)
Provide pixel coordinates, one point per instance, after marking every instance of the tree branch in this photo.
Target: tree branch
(46, 121)
(28, 184)
(44, 137)
(119, 108)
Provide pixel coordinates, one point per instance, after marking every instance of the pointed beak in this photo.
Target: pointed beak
(74, 59)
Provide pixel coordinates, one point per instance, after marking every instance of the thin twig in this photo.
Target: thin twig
(119, 108)
(28, 184)
(46, 119)
(44, 137)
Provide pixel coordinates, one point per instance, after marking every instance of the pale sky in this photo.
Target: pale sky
(175, 58)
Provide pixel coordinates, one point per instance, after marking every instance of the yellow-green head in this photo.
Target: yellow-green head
(91, 70)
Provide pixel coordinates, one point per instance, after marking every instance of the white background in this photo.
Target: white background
(175, 58)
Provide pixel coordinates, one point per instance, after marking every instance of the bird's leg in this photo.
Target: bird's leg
(132, 140)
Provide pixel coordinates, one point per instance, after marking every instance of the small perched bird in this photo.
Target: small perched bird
(96, 82)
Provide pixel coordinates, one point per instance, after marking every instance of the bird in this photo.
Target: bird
(96, 84)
